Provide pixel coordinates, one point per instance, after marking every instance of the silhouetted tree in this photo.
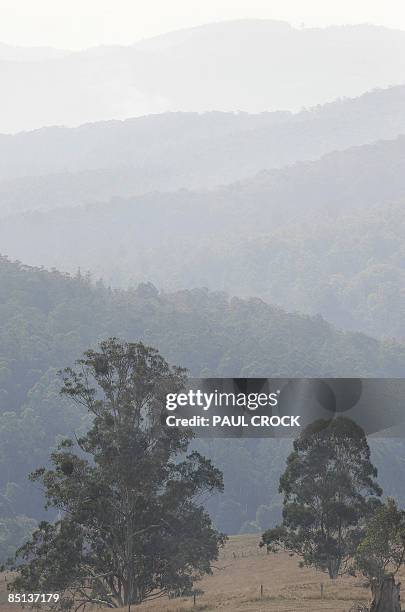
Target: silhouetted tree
(131, 528)
(329, 492)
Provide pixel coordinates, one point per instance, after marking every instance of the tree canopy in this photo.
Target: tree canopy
(330, 491)
(132, 526)
(49, 318)
(381, 551)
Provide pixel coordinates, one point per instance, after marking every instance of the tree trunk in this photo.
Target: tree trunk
(333, 568)
(386, 596)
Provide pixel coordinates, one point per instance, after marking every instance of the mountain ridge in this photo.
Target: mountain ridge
(242, 237)
(172, 151)
(318, 65)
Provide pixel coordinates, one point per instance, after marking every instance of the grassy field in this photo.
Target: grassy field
(241, 570)
(236, 585)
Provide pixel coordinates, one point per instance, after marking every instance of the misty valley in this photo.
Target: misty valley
(220, 202)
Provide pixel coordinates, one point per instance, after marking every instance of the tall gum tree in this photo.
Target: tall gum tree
(329, 492)
(133, 527)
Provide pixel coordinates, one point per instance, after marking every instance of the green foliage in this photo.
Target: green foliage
(132, 527)
(329, 492)
(49, 318)
(381, 551)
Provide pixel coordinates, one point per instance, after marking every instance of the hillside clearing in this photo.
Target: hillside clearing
(236, 584)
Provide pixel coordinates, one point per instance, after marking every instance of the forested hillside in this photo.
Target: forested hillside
(320, 237)
(350, 270)
(231, 195)
(55, 167)
(48, 319)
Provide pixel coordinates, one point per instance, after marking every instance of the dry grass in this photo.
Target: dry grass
(243, 567)
(235, 585)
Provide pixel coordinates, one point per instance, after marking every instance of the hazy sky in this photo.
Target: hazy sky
(81, 23)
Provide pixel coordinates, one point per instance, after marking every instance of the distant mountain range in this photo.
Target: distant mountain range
(250, 65)
(302, 209)
(57, 167)
(9, 53)
(322, 236)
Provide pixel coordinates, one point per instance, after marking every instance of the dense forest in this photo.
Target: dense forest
(49, 319)
(337, 249)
